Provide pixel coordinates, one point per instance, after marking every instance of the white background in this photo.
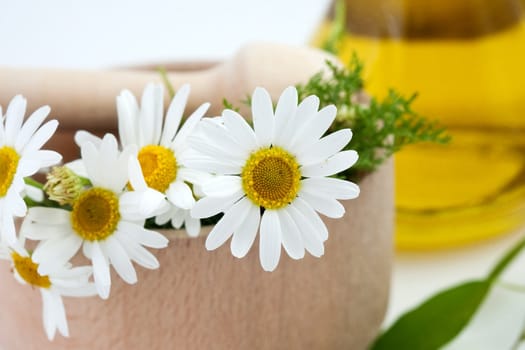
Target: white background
(81, 33)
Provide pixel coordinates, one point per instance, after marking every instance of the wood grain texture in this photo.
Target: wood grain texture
(211, 300)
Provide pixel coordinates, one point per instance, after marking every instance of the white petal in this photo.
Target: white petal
(193, 176)
(56, 252)
(239, 129)
(143, 236)
(193, 226)
(215, 140)
(244, 236)
(45, 158)
(263, 118)
(8, 231)
(48, 215)
(136, 177)
(229, 223)
(76, 273)
(108, 171)
(101, 273)
(27, 166)
(188, 126)
(218, 150)
(324, 148)
(78, 167)
(13, 118)
(87, 249)
(177, 217)
(174, 115)
(284, 112)
(163, 218)
(291, 237)
(138, 253)
(333, 165)
(312, 240)
(213, 166)
(34, 193)
(139, 205)
(128, 113)
(209, 206)
(327, 206)
(312, 217)
(17, 205)
(89, 155)
(83, 136)
(222, 186)
(330, 188)
(41, 136)
(60, 315)
(270, 240)
(151, 113)
(30, 126)
(48, 313)
(119, 259)
(315, 128)
(305, 112)
(39, 232)
(180, 195)
(87, 290)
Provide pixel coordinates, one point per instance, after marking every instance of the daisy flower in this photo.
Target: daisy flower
(162, 150)
(273, 178)
(20, 157)
(106, 220)
(62, 281)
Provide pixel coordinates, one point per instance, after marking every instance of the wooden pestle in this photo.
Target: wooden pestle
(87, 97)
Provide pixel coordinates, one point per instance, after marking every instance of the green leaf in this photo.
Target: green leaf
(437, 321)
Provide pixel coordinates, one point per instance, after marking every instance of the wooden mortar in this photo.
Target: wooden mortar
(211, 300)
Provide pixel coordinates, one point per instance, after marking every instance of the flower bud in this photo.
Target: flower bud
(63, 185)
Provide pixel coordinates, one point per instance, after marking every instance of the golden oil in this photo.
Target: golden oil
(466, 60)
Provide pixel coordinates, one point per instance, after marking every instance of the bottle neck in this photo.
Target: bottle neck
(431, 19)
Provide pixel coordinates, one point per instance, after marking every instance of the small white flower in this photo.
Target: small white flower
(106, 220)
(20, 157)
(162, 150)
(279, 168)
(62, 281)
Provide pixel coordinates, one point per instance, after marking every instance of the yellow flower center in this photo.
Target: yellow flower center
(271, 178)
(95, 214)
(8, 164)
(159, 166)
(28, 270)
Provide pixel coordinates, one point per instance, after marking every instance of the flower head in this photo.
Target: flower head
(162, 148)
(274, 178)
(61, 281)
(106, 220)
(21, 156)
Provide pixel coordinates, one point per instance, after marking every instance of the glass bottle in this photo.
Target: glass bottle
(466, 59)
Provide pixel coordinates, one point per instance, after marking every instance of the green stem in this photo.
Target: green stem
(166, 81)
(32, 182)
(338, 27)
(506, 260)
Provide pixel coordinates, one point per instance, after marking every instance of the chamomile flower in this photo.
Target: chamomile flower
(20, 157)
(106, 220)
(162, 150)
(273, 179)
(62, 281)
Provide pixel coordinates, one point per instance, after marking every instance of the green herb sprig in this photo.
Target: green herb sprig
(380, 127)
